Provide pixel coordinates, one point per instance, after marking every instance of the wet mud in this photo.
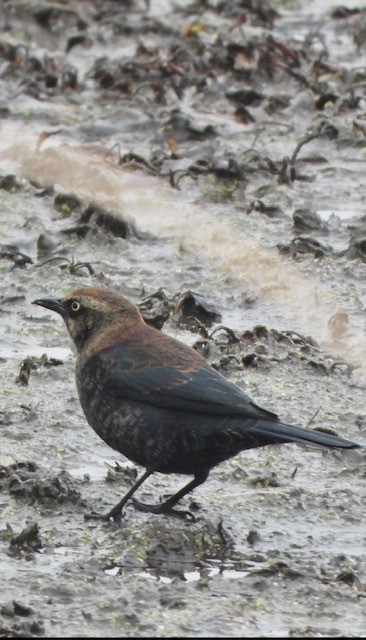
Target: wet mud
(206, 160)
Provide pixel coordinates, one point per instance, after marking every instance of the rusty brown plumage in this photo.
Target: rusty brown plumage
(157, 401)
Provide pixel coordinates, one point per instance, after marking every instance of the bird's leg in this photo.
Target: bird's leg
(166, 507)
(116, 512)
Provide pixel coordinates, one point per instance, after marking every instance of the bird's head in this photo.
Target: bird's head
(95, 317)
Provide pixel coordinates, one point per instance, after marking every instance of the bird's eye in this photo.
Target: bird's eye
(75, 306)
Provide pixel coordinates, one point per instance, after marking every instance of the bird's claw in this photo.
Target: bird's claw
(106, 517)
(163, 508)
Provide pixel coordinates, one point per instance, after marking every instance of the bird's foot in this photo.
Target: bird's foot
(106, 517)
(163, 508)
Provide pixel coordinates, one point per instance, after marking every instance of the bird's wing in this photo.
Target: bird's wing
(199, 389)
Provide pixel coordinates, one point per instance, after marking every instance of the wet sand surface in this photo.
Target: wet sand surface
(208, 162)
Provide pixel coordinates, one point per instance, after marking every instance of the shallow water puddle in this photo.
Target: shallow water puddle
(188, 576)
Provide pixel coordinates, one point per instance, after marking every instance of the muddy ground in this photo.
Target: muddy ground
(207, 160)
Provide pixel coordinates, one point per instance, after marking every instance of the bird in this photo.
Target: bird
(157, 401)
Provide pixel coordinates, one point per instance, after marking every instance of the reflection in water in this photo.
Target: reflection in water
(188, 576)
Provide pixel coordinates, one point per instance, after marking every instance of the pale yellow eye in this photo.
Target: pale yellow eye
(75, 306)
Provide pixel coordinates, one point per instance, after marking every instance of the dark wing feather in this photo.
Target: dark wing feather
(199, 389)
(191, 385)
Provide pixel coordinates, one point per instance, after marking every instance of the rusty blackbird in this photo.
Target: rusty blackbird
(157, 401)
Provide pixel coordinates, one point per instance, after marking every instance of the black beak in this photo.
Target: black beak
(55, 304)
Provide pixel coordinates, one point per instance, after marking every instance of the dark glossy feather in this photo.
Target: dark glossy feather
(199, 389)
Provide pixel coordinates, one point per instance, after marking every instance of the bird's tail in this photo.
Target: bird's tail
(278, 432)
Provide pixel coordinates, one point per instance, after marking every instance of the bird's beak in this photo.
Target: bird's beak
(55, 304)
